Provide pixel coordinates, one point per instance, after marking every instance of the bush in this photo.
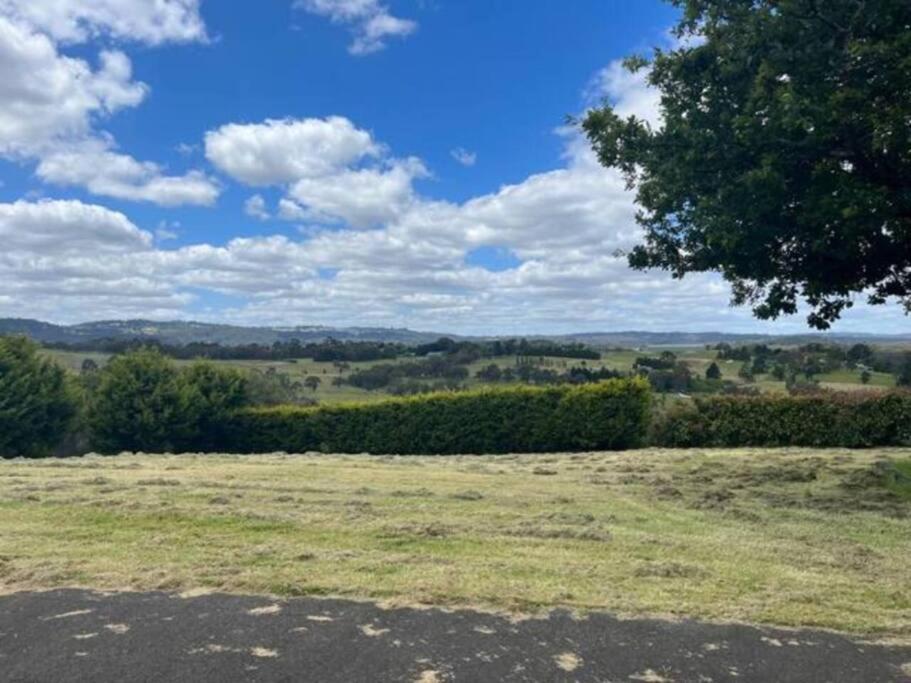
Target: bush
(214, 395)
(814, 420)
(142, 402)
(609, 415)
(37, 405)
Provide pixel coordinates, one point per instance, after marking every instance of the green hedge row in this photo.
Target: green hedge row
(610, 415)
(856, 420)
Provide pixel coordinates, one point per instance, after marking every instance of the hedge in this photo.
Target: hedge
(857, 420)
(610, 415)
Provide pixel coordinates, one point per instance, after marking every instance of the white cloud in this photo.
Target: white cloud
(255, 207)
(289, 210)
(46, 97)
(186, 149)
(50, 103)
(361, 198)
(628, 92)
(463, 156)
(397, 258)
(77, 21)
(103, 171)
(281, 151)
(70, 261)
(370, 21)
(167, 230)
(332, 170)
(67, 227)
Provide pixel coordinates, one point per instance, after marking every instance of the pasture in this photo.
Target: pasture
(792, 537)
(329, 392)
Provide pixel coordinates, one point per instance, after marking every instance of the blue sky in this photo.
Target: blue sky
(331, 162)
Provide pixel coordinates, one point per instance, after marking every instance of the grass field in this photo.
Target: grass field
(789, 537)
(698, 359)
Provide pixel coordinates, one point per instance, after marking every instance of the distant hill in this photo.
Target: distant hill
(634, 339)
(182, 332)
(185, 332)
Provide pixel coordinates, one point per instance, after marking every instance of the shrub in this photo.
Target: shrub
(214, 394)
(813, 420)
(139, 404)
(37, 405)
(609, 415)
(144, 403)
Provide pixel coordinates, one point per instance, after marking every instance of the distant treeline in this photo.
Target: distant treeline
(509, 347)
(330, 350)
(333, 350)
(810, 360)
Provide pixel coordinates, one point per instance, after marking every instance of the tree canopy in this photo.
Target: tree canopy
(37, 405)
(784, 157)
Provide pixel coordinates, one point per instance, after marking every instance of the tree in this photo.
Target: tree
(37, 404)
(713, 371)
(746, 372)
(491, 373)
(140, 404)
(312, 382)
(865, 377)
(903, 379)
(859, 353)
(810, 367)
(784, 158)
(212, 394)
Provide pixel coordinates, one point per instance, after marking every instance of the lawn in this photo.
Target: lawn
(787, 537)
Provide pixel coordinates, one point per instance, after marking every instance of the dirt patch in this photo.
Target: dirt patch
(568, 661)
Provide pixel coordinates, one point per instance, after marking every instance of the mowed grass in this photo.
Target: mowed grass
(789, 537)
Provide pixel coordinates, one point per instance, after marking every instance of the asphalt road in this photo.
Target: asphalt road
(72, 635)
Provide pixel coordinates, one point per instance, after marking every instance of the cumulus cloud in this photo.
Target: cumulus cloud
(332, 171)
(281, 151)
(255, 207)
(94, 165)
(50, 103)
(395, 257)
(67, 227)
(46, 97)
(628, 92)
(71, 261)
(369, 21)
(361, 198)
(145, 21)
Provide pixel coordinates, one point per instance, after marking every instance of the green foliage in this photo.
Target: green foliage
(139, 404)
(37, 405)
(820, 420)
(272, 388)
(142, 402)
(903, 379)
(214, 394)
(784, 157)
(609, 415)
(713, 371)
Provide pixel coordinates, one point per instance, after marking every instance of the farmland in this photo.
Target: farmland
(790, 537)
(330, 391)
